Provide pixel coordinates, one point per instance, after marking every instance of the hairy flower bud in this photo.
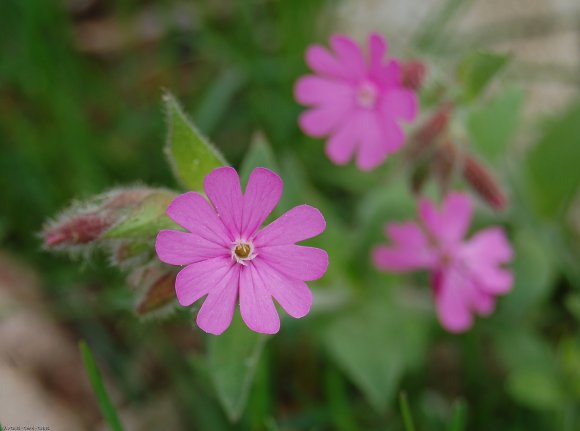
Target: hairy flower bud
(85, 223)
(413, 74)
(430, 131)
(482, 181)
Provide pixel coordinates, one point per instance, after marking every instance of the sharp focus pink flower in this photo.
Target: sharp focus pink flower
(230, 259)
(356, 101)
(466, 274)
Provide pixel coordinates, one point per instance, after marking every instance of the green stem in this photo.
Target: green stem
(406, 412)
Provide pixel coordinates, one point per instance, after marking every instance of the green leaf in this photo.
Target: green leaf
(191, 156)
(105, 404)
(146, 219)
(367, 345)
(534, 271)
(532, 368)
(553, 172)
(492, 126)
(258, 155)
(536, 388)
(232, 361)
(476, 71)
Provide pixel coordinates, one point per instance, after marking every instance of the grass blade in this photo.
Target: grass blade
(406, 412)
(105, 404)
(459, 418)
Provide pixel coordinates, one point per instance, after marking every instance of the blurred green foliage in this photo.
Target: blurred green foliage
(76, 123)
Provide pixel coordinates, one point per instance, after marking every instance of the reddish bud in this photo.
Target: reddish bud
(482, 181)
(76, 230)
(413, 74)
(86, 223)
(160, 293)
(430, 131)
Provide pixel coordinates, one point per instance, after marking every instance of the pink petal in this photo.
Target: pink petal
(181, 248)
(394, 136)
(322, 62)
(399, 103)
(199, 278)
(390, 77)
(299, 223)
(341, 145)
(313, 90)
(294, 296)
(481, 302)
(490, 278)
(449, 224)
(411, 249)
(322, 120)
(349, 55)
(262, 195)
(489, 245)
(453, 308)
(372, 149)
(296, 261)
(192, 211)
(256, 305)
(215, 315)
(377, 49)
(222, 186)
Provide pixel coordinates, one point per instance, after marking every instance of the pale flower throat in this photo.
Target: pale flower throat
(243, 251)
(367, 94)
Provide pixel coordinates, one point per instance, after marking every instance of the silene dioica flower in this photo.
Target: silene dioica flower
(467, 275)
(356, 100)
(230, 259)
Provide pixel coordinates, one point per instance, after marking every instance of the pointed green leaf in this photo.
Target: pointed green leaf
(554, 176)
(105, 404)
(232, 361)
(366, 344)
(491, 126)
(477, 70)
(190, 154)
(146, 220)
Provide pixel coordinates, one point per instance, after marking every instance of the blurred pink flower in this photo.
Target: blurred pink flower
(229, 258)
(466, 274)
(357, 102)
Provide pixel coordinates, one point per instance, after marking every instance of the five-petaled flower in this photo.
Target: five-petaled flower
(230, 259)
(466, 274)
(357, 102)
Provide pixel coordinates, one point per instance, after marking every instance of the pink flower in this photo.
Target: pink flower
(356, 102)
(466, 274)
(230, 259)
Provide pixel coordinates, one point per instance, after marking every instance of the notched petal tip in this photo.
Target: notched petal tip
(175, 209)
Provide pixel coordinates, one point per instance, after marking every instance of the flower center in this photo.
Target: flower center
(367, 95)
(243, 251)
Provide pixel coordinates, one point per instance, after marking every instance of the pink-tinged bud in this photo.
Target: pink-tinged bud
(430, 131)
(483, 182)
(158, 284)
(444, 165)
(83, 224)
(76, 230)
(413, 74)
(160, 293)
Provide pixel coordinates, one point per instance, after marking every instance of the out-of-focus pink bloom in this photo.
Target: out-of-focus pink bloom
(356, 100)
(230, 259)
(467, 275)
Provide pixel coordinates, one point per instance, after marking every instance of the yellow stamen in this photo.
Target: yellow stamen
(242, 250)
